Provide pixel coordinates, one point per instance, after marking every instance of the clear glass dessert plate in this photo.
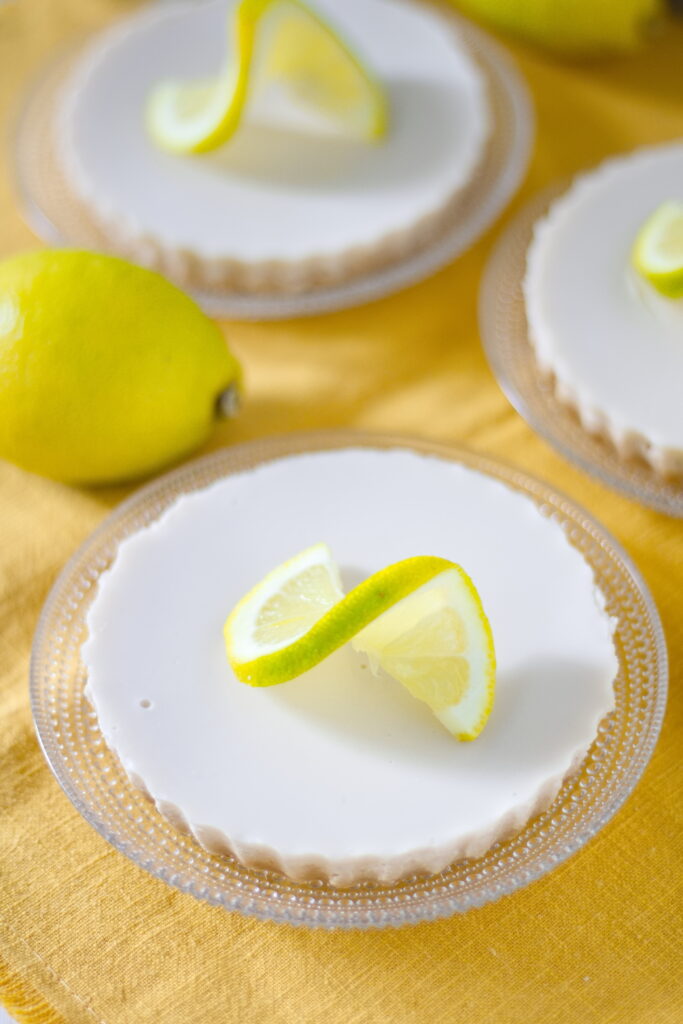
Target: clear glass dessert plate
(56, 215)
(504, 331)
(100, 790)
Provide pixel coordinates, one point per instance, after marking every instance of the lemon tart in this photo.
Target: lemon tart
(283, 207)
(340, 774)
(610, 340)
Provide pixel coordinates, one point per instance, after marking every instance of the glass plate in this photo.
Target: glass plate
(98, 787)
(57, 217)
(504, 331)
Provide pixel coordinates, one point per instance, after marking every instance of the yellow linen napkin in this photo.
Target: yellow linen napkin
(86, 937)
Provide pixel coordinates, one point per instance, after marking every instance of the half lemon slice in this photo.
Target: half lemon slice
(658, 250)
(282, 41)
(420, 620)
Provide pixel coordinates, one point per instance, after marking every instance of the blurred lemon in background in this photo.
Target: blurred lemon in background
(107, 371)
(573, 27)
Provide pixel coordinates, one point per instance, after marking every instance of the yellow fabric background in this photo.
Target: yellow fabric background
(85, 935)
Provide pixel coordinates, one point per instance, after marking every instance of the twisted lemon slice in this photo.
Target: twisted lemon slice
(283, 40)
(658, 250)
(421, 620)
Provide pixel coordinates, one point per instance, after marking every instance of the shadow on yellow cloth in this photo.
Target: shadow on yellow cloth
(86, 936)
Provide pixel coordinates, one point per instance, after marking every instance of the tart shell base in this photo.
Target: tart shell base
(666, 462)
(308, 868)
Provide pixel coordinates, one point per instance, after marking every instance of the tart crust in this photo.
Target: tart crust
(429, 860)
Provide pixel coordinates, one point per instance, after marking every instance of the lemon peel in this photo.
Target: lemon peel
(272, 39)
(420, 619)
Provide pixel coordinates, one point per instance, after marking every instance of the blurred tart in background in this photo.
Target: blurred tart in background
(608, 332)
(285, 205)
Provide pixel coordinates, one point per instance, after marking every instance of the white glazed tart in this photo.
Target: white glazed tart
(613, 345)
(278, 209)
(338, 774)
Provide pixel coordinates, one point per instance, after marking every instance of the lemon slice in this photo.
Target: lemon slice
(273, 40)
(438, 643)
(420, 620)
(658, 250)
(280, 609)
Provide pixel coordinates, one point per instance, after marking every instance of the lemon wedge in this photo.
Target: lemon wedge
(271, 40)
(437, 642)
(658, 250)
(420, 620)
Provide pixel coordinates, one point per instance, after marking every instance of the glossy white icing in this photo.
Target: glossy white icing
(339, 773)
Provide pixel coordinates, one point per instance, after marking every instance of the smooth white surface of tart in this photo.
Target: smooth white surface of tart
(613, 344)
(276, 194)
(340, 774)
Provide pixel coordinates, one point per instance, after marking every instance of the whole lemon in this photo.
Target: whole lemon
(107, 371)
(573, 27)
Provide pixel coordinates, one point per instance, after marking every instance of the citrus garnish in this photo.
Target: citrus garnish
(420, 620)
(281, 40)
(658, 250)
(437, 642)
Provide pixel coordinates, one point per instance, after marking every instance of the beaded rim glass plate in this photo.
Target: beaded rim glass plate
(98, 787)
(504, 330)
(57, 216)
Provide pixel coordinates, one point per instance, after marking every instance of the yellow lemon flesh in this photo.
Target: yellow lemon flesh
(658, 250)
(271, 40)
(107, 371)
(437, 642)
(420, 620)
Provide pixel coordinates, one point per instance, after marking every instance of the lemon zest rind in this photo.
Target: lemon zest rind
(338, 626)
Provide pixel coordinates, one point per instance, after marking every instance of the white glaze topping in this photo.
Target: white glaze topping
(339, 768)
